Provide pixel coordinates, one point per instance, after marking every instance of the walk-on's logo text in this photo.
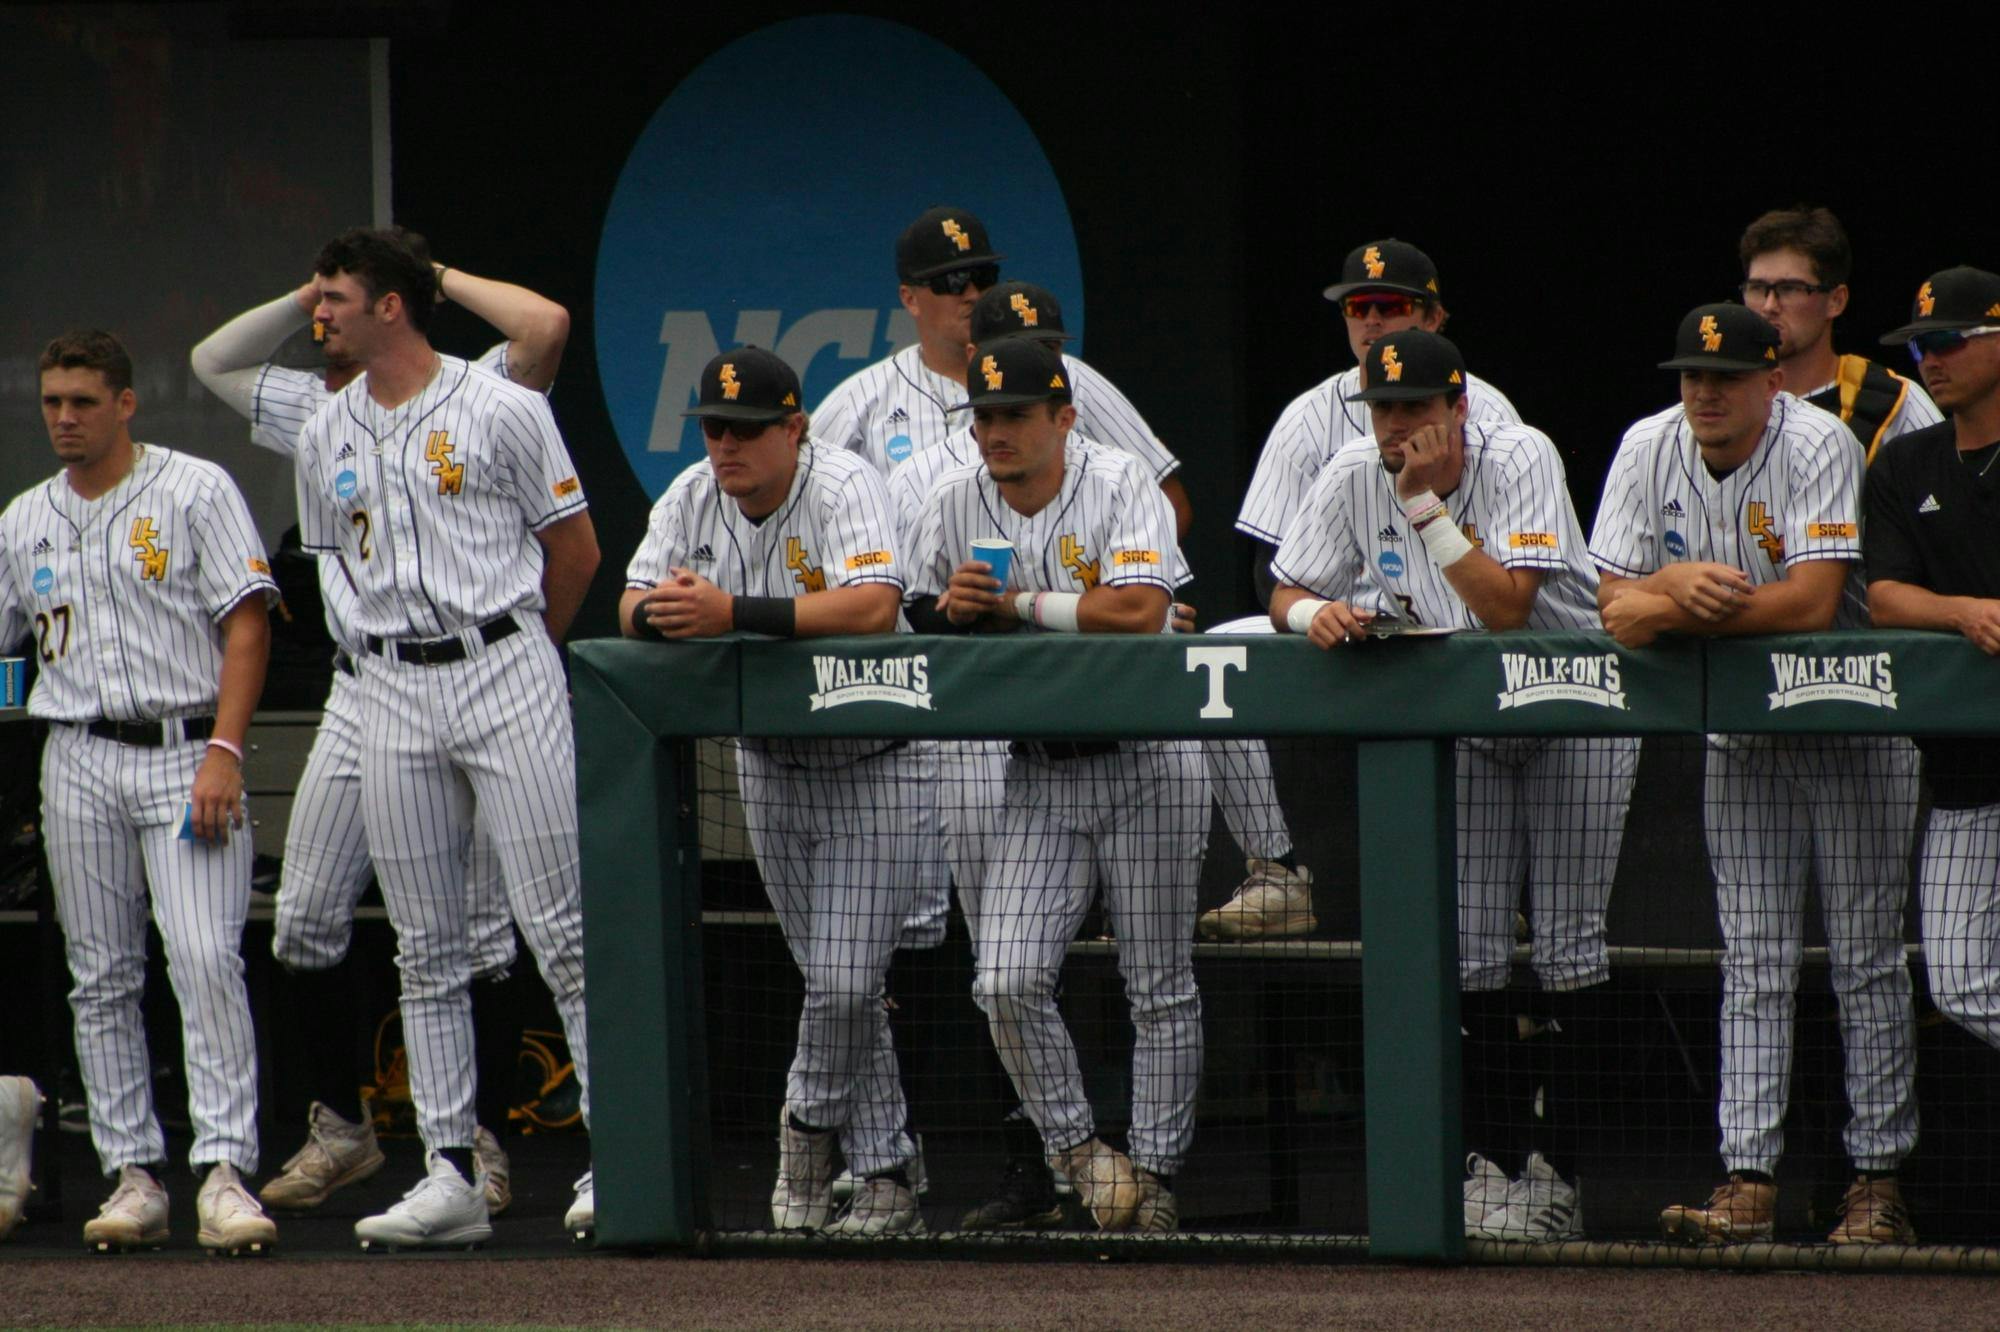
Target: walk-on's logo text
(709, 242)
(904, 681)
(1591, 678)
(1864, 678)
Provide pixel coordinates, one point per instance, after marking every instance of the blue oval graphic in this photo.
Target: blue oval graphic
(45, 578)
(344, 484)
(775, 222)
(1677, 545)
(899, 448)
(1391, 563)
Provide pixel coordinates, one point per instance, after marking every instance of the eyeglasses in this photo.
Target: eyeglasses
(1945, 341)
(1388, 304)
(958, 279)
(716, 428)
(1790, 289)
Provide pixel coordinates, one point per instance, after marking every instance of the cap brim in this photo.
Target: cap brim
(1008, 400)
(1339, 290)
(1401, 393)
(1005, 334)
(1727, 363)
(930, 271)
(1908, 331)
(731, 412)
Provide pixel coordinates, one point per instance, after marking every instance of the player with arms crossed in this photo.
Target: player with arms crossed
(1095, 551)
(326, 863)
(1795, 267)
(785, 536)
(1473, 529)
(450, 498)
(139, 574)
(1737, 512)
(1932, 501)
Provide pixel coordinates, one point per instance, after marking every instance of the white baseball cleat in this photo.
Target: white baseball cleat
(1158, 1212)
(1271, 903)
(231, 1221)
(920, 1176)
(1540, 1207)
(1486, 1187)
(134, 1216)
(803, 1196)
(444, 1210)
(498, 1170)
(1106, 1182)
(337, 1153)
(581, 1218)
(20, 1103)
(881, 1206)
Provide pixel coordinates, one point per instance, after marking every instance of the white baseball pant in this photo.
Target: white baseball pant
(112, 815)
(1240, 773)
(1959, 890)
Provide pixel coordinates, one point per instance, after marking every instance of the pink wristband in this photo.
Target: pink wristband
(229, 746)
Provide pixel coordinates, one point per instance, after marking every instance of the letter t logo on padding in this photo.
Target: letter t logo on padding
(1218, 661)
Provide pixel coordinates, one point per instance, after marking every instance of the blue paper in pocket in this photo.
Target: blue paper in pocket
(187, 822)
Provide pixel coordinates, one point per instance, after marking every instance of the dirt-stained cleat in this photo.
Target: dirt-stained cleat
(133, 1217)
(231, 1221)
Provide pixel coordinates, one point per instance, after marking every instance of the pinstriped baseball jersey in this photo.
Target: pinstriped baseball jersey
(898, 407)
(1108, 526)
(1351, 541)
(1317, 425)
(122, 593)
(432, 505)
(1916, 413)
(280, 405)
(1797, 498)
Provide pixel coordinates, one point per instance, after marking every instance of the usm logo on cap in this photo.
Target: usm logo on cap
(956, 234)
(1925, 301)
(1711, 336)
(1392, 369)
(994, 378)
(1371, 259)
(1029, 315)
(731, 385)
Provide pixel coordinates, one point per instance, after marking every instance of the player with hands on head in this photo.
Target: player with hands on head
(1094, 551)
(1737, 511)
(1440, 520)
(781, 535)
(138, 572)
(326, 863)
(1932, 506)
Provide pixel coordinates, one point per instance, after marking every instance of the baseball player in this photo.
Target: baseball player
(1795, 267)
(138, 579)
(326, 864)
(451, 501)
(1385, 287)
(783, 535)
(1095, 551)
(1931, 499)
(1737, 512)
(1443, 521)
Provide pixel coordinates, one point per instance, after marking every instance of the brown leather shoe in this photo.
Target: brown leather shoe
(1872, 1212)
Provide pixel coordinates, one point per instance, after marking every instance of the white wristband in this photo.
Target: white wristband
(1445, 542)
(1419, 504)
(1054, 610)
(1299, 619)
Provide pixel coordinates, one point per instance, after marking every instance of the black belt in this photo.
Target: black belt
(342, 662)
(1062, 751)
(153, 734)
(439, 651)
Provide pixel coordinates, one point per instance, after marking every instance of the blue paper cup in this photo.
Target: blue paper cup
(999, 554)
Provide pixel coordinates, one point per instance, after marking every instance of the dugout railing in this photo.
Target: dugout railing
(641, 707)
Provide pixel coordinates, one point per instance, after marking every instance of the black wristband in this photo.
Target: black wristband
(776, 616)
(641, 626)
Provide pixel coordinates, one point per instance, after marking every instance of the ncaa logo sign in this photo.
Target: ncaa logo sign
(45, 579)
(762, 204)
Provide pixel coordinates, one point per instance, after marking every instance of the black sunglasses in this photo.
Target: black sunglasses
(715, 428)
(958, 279)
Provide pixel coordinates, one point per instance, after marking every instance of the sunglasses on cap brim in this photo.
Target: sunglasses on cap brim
(958, 279)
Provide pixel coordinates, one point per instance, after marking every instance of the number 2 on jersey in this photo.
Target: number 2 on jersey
(46, 621)
(360, 519)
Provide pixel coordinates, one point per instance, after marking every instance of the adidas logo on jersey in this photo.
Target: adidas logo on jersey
(344, 452)
(1389, 533)
(1930, 505)
(1672, 509)
(898, 417)
(43, 546)
(702, 555)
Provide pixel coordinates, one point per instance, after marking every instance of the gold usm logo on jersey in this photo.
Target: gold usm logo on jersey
(811, 578)
(152, 557)
(437, 452)
(1925, 301)
(992, 373)
(1020, 305)
(1085, 571)
(731, 386)
(1766, 532)
(1471, 531)
(1371, 259)
(956, 234)
(1711, 336)
(1392, 369)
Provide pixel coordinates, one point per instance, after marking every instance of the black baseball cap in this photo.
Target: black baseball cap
(1017, 309)
(747, 384)
(1014, 370)
(1958, 298)
(1411, 366)
(1387, 265)
(941, 240)
(1724, 336)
